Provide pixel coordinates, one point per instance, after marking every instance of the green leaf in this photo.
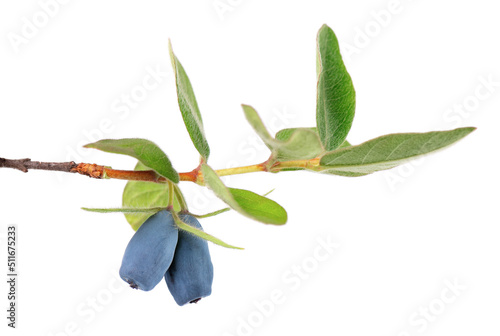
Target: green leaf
(213, 181)
(299, 144)
(201, 234)
(259, 207)
(124, 210)
(139, 194)
(308, 146)
(143, 150)
(336, 98)
(286, 133)
(303, 144)
(245, 202)
(256, 122)
(341, 173)
(189, 107)
(388, 151)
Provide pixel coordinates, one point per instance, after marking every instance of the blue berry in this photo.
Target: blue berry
(189, 277)
(150, 252)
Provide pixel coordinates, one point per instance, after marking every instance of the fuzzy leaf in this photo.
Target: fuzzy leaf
(255, 121)
(298, 144)
(245, 202)
(259, 207)
(143, 150)
(388, 151)
(336, 98)
(301, 143)
(138, 194)
(189, 107)
(286, 133)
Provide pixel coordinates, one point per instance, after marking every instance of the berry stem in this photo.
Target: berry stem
(170, 193)
(180, 198)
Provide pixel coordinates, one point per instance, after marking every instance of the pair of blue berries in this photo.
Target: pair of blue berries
(160, 250)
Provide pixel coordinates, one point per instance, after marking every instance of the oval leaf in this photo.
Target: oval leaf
(143, 150)
(189, 107)
(259, 207)
(388, 151)
(138, 194)
(286, 133)
(245, 202)
(298, 144)
(336, 98)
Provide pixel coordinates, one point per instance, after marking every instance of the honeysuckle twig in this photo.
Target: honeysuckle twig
(102, 172)
(25, 164)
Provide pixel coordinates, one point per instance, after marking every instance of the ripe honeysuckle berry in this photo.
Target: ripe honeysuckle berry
(150, 252)
(189, 277)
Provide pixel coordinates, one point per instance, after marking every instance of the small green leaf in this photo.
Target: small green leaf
(124, 210)
(189, 107)
(286, 133)
(202, 234)
(245, 202)
(388, 151)
(303, 144)
(293, 144)
(139, 194)
(259, 207)
(213, 181)
(256, 122)
(298, 144)
(143, 150)
(336, 98)
(307, 145)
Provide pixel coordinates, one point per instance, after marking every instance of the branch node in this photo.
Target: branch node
(90, 170)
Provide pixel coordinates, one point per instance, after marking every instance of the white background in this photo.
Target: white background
(402, 235)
